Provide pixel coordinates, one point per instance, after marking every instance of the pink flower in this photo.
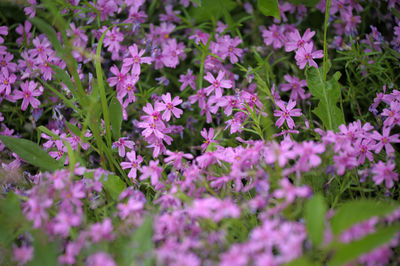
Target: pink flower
(274, 35)
(384, 140)
(286, 113)
(384, 172)
(208, 138)
(171, 51)
(153, 171)
(306, 55)
(121, 144)
(295, 86)
(100, 259)
(5, 81)
(217, 84)
(133, 164)
(169, 106)
(296, 41)
(177, 157)
(23, 254)
(136, 60)
(187, 80)
(28, 94)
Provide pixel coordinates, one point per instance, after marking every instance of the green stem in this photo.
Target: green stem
(325, 59)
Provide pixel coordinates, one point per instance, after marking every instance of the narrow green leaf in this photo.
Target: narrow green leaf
(74, 129)
(31, 153)
(63, 76)
(113, 185)
(356, 211)
(347, 252)
(116, 117)
(269, 8)
(315, 210)
(328, 94)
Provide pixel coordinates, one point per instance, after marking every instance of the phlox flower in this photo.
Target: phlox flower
(384, 140)
(295, 85)
(217, 84)
(296, 41)
(102, 231)
(136, 59)
(121, 143)
(22, 254)
(208, 138)
(3, 31)
(153, 171)
(306, 55)
(187, 80)
(100, 258)
(6, 80)
(274, 35)
(128, 88)
(171, 51)
(286, 113)
(176, 158)
(28, 93)
(5, 62)
(168, 106)
(384, 172)
(133, 164)
(119, 78)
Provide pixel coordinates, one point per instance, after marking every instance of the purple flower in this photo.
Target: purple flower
(217, 84)
(296, 41)
(169, 106)
(28, 93)
(384, 172)
(153, 171)
(306, 55)
(136, 60)
(384, 140)
(121, 144)
(286, 113)
(133, 164)
(208, 138)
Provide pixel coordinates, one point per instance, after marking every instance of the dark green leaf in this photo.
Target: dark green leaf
(74, 129)
(269, 8)
(31, 153)
(45, 252)
(309, 3)
(348, 252)
(302, 261)
(11, 219)
(315, 210)
(63, 76)
(115, 117)
(197, 2)
(356, 211)
(328, 94)
(211, 9)
(113, 185)
(139, 247)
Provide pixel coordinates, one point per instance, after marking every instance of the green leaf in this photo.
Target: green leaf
(269, 8)
(74, 129)
(197, 2)
(45, 252)
(31, 153)
(139, 247)
(302, 261)
(356, 211)
(11, 219)
(309, 3)
(348, 252)
(328, 94)
(315, 210)
(113, 185)
(63, 76)
(211, 9)
(49, 32)
(116, 117)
